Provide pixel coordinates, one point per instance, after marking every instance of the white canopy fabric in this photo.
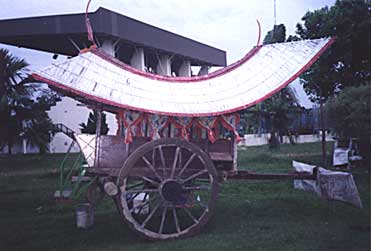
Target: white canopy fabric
(264, 71)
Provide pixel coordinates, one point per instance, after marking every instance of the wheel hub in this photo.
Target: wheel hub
(173, 192)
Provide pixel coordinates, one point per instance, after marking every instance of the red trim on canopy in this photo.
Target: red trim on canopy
(171, 79)
(214, 74)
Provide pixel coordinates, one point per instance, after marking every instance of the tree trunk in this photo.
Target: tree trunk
(273, 140)
(10, 148)
(260, 120)
(291, 137)
(97, 135)
(323, 130)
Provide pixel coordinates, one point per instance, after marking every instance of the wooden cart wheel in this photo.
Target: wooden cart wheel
(168, 188)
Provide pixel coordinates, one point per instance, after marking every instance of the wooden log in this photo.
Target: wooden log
(81, 179)
(246, 175)
(110, 188)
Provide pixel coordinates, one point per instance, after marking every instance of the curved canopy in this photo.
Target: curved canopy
(265, 70)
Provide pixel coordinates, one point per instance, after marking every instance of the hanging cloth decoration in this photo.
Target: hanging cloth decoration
(157, 123)
(130, 119)
(230, 122)
(208, 123)
(169, 121)
(120, 123)
(184, 124)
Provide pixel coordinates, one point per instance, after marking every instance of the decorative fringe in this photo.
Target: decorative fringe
(131, 123)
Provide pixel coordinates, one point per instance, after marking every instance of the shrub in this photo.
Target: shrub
(350, 114)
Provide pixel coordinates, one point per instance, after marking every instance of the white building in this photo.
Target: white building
(141, 45)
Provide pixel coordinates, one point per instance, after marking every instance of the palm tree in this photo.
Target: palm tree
(91, 124)
(13, 72)
(23, 105)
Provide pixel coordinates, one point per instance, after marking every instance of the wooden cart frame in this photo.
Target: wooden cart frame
(165, 188)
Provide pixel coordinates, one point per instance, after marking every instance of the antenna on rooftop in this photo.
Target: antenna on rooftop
(275, 13)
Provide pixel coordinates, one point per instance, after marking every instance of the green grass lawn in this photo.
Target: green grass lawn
(250, 215)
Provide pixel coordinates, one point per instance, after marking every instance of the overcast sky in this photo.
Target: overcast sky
(229, 25)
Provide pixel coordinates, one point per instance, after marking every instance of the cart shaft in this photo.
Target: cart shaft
(246, 175)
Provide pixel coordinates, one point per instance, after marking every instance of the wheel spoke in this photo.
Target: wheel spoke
(195, 188)
(135, 185)
(176, 220)
(198, 201)
(175, 162)
(150, 215)
(163, 219)
(153, 182)
(199, 173)
(140, 210)
(186, 165)
(190, 215)
(141, 191)
(132, 198)
(142, 205)
(180, 159)
(151, 167)
(162, 161)
(153, 156)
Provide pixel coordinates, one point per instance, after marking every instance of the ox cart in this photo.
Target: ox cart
(171, 149)
(165, 188)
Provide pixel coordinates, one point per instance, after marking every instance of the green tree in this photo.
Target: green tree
(276, 108)
(13, 72)
(38, 128)
(347, 62)
(276, 35)
(90, 126)
(350, 113)
(22, 104)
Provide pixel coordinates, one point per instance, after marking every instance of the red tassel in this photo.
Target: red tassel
(211, 136)
(129, 136)
(184, 133)
(237, 138)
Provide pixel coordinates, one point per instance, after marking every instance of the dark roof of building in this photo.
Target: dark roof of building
(54, 34)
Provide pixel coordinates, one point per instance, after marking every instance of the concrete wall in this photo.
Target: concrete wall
(20, 147)
(262, 139)
(61, 143)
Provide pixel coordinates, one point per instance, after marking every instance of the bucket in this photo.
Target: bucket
(85, 216)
